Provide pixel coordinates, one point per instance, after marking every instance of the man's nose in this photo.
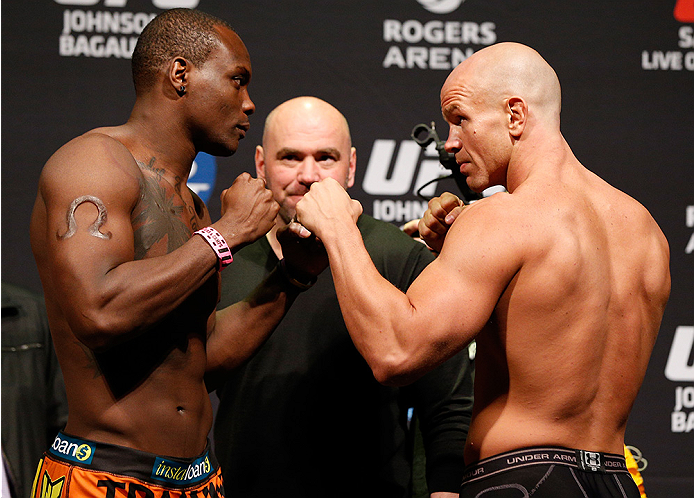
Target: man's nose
(309, 171)
(248, 106)
(453, 143)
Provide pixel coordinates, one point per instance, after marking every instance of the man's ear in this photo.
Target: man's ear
(178, 75)
(352, 167)
(517, 116)
(259, 162)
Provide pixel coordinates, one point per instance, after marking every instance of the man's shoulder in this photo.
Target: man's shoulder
(499, 208)
(94, 162)
(98, 137)
(502, 223)
(93, 150)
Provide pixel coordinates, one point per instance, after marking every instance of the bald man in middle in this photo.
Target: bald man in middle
(305, 416)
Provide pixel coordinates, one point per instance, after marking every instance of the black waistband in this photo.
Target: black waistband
(176, 472)
(592, 461)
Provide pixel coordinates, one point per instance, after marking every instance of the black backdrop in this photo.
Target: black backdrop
(626, 66)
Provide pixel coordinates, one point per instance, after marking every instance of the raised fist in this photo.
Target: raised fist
(248, 211)
(325, 206)
(438, 218)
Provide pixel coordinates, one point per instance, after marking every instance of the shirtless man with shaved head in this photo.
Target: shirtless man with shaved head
(562, 280)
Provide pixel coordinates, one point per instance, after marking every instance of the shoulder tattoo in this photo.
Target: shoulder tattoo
(93, 229)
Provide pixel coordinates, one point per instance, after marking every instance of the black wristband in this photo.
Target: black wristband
(302, 286)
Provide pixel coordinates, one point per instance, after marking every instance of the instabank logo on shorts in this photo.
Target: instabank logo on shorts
(180, 473)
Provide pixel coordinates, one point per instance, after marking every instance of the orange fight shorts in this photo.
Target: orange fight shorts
(75, 468)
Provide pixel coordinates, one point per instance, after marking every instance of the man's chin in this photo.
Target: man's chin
(221, 151)
(222, 148)
(286, 215)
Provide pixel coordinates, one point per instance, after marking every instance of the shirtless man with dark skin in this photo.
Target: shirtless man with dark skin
(562, 281)
(130, 290)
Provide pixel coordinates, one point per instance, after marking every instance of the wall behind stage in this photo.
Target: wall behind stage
(627, 70)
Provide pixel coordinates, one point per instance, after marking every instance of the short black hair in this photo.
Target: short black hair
(187, 33)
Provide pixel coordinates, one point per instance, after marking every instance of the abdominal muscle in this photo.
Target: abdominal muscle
(164, 409)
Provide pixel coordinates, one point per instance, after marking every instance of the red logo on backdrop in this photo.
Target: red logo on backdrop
(684, 10)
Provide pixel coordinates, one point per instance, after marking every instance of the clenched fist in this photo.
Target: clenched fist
(248, 211)
(327, 206)
(438, 218)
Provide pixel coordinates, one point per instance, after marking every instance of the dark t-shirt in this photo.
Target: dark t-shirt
(305, 416)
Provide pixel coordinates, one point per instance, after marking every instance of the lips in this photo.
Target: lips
(244, 128)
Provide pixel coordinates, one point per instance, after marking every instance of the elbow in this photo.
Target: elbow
(394, 371)
(96, 342)
(98, 330)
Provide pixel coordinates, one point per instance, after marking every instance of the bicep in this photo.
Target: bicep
(456, 294)
(88, 195)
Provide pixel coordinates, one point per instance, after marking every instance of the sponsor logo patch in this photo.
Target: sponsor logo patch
(173, 472)
(72, 449)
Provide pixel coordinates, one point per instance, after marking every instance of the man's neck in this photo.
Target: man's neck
(152, 135)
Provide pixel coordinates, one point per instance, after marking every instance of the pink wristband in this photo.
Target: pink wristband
(218, 244)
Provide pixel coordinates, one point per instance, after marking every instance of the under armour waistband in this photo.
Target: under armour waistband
(125, 461)
(585, 460)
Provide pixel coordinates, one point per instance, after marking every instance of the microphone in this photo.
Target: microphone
(424, 134)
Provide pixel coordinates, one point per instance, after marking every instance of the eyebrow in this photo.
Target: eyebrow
(284, 151)
(330, 151)
(450, 108)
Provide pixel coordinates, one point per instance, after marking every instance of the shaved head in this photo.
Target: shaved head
(311, 110)
(500, 100)
(504, 70)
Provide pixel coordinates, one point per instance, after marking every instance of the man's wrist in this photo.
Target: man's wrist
(218, 244)
(302, 283)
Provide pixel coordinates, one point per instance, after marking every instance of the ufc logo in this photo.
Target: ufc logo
(679, 367)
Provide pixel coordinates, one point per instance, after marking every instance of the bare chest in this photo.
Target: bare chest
(166, 215)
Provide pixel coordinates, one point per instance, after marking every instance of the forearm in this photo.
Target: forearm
(240, 329)
(377, 314)
(133, 295)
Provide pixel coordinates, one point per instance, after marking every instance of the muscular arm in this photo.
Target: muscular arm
(104, 294)
(243, 327)
(402, 336)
